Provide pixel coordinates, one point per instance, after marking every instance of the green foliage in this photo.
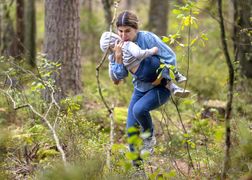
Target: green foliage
(242, 150)
(91, 168)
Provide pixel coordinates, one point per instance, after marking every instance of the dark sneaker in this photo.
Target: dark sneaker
(180, 77)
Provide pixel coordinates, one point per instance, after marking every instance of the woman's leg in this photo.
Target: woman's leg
(151, 100)
(147, 70)
(138, 111)
(131, 120)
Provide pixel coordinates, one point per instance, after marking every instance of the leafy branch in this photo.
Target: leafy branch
(44, 117)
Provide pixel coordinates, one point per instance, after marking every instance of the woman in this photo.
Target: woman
(146, 96)
(132, 57)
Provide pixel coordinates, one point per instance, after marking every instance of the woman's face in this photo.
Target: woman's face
(127, 33)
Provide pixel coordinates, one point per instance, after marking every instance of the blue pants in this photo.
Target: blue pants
(148, 70)
(140, 106)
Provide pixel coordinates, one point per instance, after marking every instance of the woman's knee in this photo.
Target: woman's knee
(139, 111)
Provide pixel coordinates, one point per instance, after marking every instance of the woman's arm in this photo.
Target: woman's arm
(165, 53)
(117, 71)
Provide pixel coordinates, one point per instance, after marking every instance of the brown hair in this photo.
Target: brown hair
(127, 18)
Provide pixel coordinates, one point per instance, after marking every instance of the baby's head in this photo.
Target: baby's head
(108, 39)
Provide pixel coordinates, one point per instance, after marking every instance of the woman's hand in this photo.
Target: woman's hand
(118, 52)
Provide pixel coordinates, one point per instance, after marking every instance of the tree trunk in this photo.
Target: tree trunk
(20, 28)
(128, 4)
(242, 38)
(107, 11)
(226, 164)
(62, 44)
(158, 17)
(8, 47)
(30, 32)
(1, 29)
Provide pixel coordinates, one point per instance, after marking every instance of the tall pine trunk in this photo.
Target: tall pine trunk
(62, 44)
(242, 38)
(107, 4)
(158, 13)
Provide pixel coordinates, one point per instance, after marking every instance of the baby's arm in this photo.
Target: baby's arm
(139, 53)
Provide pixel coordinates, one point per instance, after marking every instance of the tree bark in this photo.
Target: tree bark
(30, 32)
(8, 47)
(20, 28)
(128, 4)
(226, 164)
(158, 13)
(107, 11)
(62, 44)
(241, 37)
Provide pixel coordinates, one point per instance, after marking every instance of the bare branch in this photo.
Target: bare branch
(110, 110)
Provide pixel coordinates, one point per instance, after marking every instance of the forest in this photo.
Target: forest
(62, 117)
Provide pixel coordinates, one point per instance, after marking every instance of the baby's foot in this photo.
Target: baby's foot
(180, 77)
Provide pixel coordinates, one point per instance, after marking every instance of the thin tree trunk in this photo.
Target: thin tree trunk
(30, 32)
(107, 11)
(241, 37)
(1, 30)
(128, 4)
(158, 17)
(20, 28)
(226, 164)
(90, 6)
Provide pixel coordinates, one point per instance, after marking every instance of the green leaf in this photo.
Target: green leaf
(188, 102)
(165, 39)
(180, 16)
(172, 75)
(185, 8)
(204, 36)
(186, 135)
(193, 41)
(133, 130)
(133, 139)
(132, 155)
(176, 11)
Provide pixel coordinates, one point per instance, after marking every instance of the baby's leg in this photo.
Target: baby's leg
(178, 76)
(176, 90)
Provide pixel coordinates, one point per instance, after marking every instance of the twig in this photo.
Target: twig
(187, 73)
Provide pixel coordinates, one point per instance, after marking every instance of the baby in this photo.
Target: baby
(133, 55)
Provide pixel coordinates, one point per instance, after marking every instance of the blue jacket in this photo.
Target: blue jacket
(145, 40)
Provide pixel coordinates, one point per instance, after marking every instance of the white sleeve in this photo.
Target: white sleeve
(137, 52)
